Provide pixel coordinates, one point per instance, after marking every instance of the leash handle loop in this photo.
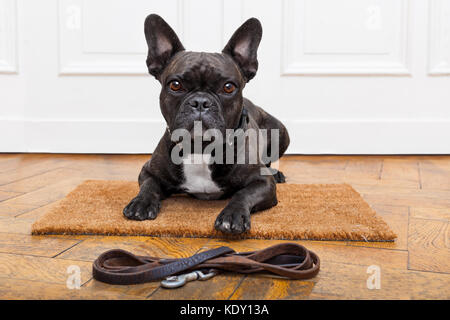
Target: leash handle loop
(289, 260)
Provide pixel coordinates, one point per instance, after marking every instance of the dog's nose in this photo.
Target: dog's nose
(201, 103)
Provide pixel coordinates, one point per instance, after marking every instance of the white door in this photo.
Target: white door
(345, 76)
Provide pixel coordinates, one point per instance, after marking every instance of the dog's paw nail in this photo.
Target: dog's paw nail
(139, 209)
(151, 214)
(236, 222)
(236, 229)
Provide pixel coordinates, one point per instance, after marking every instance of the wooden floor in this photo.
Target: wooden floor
(411, 193)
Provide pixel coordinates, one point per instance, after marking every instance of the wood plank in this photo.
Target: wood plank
(397, 219)
(318, 296)
(141, 291)
(393, 196)
(15, 225)
(15, 209)
(429, 245)
(45, 195)
(435, 174)
(118, 167)
(5, 156)
(7, 164)
(341, 176)
(110, 172)
(34, 245)
(43, 269)
(403, 170)
(78, 161)
(14, 289)
(220, 287)
(133, 160)
(304, 157)
(369, 168)
(41, 180)
(312, 177)
(334, 176)
(348, 281)
(316, 163)
(430, 213)
(21, 223)
(5, 195)
(364, 170)
(10, 162)
(27, 170)
(262, 288)
(164, 247)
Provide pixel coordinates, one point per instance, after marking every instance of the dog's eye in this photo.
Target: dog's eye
(175, 85)
(229, 87)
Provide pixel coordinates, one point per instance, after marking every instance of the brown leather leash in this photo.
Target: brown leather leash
(288, 260)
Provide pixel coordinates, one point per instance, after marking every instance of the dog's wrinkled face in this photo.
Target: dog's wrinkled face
(204, 87)
(198, 86)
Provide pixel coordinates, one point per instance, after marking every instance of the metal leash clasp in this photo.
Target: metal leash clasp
(173, 282)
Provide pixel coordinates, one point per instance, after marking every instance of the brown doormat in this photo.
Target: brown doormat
(319, 212)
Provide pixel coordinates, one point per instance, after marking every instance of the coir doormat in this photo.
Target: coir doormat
(304, 211)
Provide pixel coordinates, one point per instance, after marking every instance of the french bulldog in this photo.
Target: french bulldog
(207, 87)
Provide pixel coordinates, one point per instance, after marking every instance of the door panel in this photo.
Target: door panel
(345, 76)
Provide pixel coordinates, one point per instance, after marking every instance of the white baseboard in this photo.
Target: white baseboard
(12, 135)
(307, 136)
(94, 136)
(370, 136)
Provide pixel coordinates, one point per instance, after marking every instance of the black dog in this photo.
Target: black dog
(207, 87)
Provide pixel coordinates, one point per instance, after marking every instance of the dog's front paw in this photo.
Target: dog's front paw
(141, 209)
(233, 221)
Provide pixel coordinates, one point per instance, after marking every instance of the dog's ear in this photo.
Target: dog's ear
(162, 43)
(243, 47)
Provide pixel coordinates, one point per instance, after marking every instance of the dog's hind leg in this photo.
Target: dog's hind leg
(283, 143)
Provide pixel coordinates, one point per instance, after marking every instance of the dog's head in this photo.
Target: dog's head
(199, 86)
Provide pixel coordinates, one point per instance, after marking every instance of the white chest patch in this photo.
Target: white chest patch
(197, 177)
